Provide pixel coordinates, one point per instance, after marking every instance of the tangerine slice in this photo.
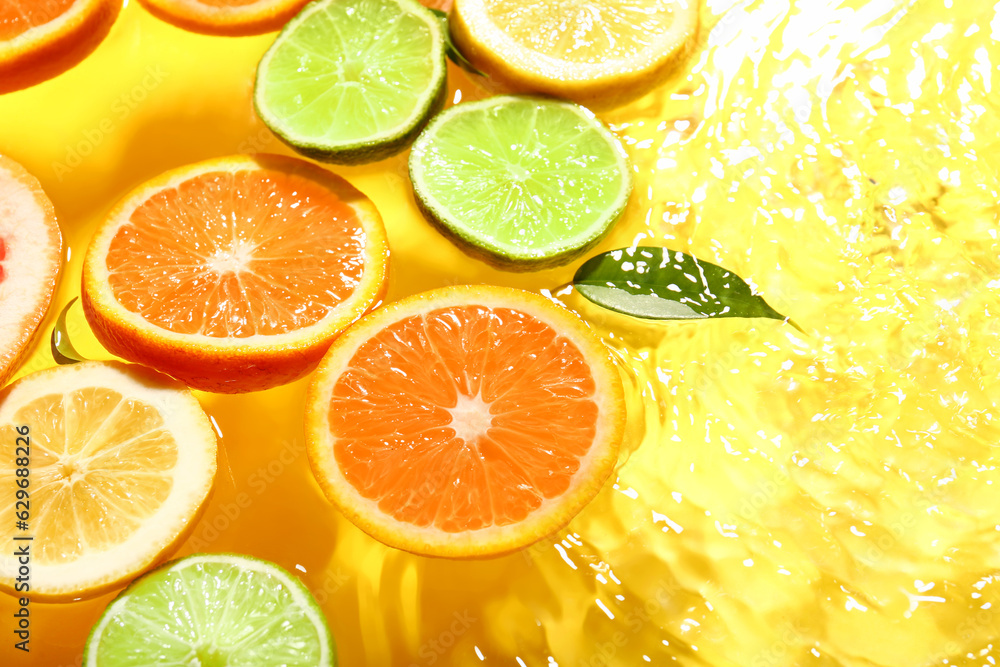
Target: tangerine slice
(234, 274)
(30, 260)
(466, 421)
(39, 40)
(226, 17)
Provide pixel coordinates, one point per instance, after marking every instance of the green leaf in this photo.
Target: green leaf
(62, 349)
(453, 53)
(662, 284)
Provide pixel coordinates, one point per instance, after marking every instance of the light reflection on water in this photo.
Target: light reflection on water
(828, 498)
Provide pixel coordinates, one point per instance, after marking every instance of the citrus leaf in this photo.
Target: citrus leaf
(453, 53)
(662, 284)
(62, 349)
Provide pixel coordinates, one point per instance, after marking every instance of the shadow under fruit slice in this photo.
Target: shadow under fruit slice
(522, 183)
(353, 81)
(465, 422)
(234, 274)
(30, 260)
(122, 462)
(600, 53)
(212, 609)
(39, 40)
(226, 17)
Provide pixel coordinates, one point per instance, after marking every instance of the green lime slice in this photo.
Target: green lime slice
(353, 81)
(212, 610)
(523, 183)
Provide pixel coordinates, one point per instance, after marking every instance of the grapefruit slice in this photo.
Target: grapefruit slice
(226, 17)
(121, 461)
(30, 259)
(39, 40)
(464, 422)
(234, 274)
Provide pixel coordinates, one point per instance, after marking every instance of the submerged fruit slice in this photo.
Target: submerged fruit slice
(30, 260)
(236, 273)
(464, 422)
(226, 17)
(523, 183)
(39, 40)
(122, 461)
(212, 609)
(353, 80)
(600, 53)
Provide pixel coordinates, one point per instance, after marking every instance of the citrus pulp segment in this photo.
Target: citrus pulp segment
(30, 259)
(234, 274)
(226, 17)
(121, 463)
(212, 610)
(464, 422)
(522, 183)
(41, 39)
(353, 80)
(600, 53)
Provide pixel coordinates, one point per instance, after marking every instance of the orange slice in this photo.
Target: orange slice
(41, 39)
(226, 17)
(30, 259)
(120, 463)
(465, 422)
(234, 274)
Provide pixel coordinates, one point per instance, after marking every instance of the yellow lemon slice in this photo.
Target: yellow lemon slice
(599, 53)
(106, 467)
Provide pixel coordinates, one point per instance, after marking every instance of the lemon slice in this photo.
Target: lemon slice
(120, 463)
(599, 53)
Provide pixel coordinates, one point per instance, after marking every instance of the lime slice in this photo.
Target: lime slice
(520, 182)
(212, 610)
(353, 80)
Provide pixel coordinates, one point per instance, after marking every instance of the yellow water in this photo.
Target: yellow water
(786, 499)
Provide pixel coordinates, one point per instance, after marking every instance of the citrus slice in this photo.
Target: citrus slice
(212, 610)
(600, 53)
(226, 17)
(38, 40)
(30, 260)
(353, 80)
(466, 421)
(234, 274)
(522, 183)
(120, 463)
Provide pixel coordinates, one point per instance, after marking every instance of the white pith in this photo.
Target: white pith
(470, 418)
